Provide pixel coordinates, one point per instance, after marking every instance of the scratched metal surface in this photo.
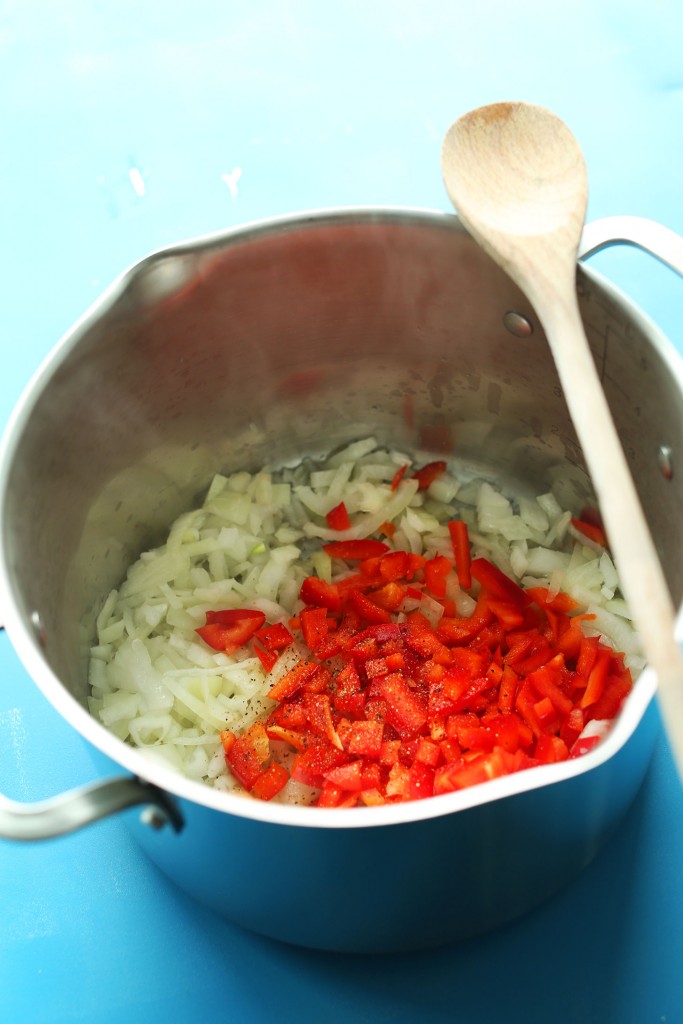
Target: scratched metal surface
(129, 126)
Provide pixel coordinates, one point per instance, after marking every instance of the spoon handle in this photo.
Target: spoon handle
(635, 554)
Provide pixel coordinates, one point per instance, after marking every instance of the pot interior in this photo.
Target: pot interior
(290, 339)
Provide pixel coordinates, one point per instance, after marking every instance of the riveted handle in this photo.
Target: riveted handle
(79, 807)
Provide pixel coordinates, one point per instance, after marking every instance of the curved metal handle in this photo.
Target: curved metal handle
(79, 807)
(662, 243)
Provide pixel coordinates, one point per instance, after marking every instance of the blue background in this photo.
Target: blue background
(126, 126)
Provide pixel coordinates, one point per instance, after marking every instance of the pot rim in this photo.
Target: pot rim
(24, 640)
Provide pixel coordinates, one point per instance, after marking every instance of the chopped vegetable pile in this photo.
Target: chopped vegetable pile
(365, 632)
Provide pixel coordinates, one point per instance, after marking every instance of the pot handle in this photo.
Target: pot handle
(661, 242)
(79, 807)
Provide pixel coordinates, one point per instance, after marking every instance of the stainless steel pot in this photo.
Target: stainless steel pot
(282, 339)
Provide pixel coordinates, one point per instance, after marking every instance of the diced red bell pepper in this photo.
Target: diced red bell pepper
(267, 658)
(365, 739)
(507, 689)
(348, 697)
(404, 710)
(561, 602)
(592, 531)
(270, 782)
(314, 626)
(292, 680)
(497, 584)
(588, 652)
(297, 739)
(390, 596)
(597, 678)
(248, 755)
(436, 570)
(461, 552)
(617, 688)
(398, 476)
(420, 780)
(275, 637)
(355, 550)
(290, 715)
(309, 766)
(367, 608)
(338, 517)
(319, 713)
(428, 474)
(427, 752)
(393, 566)
(347, 776)
(550, 749)
(321, 594)
(546, 682)
(231, 628)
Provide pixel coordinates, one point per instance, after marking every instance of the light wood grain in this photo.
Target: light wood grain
(518, 181)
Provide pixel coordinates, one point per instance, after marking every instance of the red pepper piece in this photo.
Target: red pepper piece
(319, 714)
(597, 677)
(321, 594)
(314, 626)
(572, 727)
(267, 658)
(550, 749)
(228, 739)
(507, 689)
(389, 597)
(365, 739)
(497, 584)
(275, 637)
(338, 517)
(248, 755)
(398, 476)
(231, 628)
(507, 612)
(404, 709)
(428, 474)
(368, 610)
(617, 688)
(436, 570)
(460, 539)
(348, 697)
(289, 715)
(347, 776)
(355, 550)
(309, 766)
(561, 602)
(296, 738)
(270, 782)
(452, 776)
(592, 531)
(588, 652)
(369, 567)
(420, 781)
(546, 682)
(292, 680)
(427, 752)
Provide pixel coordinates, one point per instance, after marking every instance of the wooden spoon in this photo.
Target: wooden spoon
(517, 179)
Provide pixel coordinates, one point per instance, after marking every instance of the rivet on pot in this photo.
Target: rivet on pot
(665, 464)
(37, 624)
(517, 324)
(153, 817)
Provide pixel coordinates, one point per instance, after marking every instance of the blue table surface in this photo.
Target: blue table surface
(127, 126)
